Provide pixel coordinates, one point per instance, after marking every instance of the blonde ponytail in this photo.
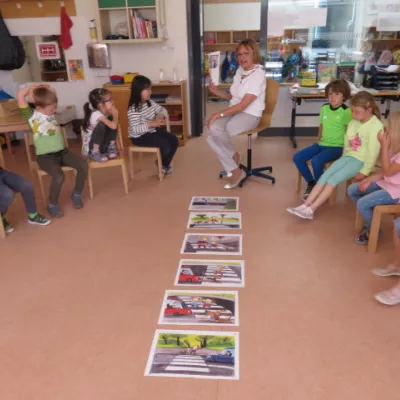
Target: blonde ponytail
(394, 132)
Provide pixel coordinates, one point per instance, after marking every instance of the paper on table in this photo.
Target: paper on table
(214, 60)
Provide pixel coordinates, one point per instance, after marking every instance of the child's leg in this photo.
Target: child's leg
(51, 163)
(300, 161)
(96, 144)
(109, 145)
(71, 160)
(6, 196)
(173, 145)
(326, 155)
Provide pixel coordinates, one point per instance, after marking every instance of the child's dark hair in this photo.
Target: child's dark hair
(96, 97)
(339, 86)
(366, 100)
(139, 84)
(44, 97)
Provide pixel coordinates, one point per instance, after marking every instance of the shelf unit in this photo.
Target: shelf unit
(112, 13)
(121, 94)
(227, 39)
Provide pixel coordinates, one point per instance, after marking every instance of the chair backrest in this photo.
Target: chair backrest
(271, 98)
(168, 122)
(28, 139)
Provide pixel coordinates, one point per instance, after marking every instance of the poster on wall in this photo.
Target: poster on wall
(214, 61)
(75, 70)
(48, 50)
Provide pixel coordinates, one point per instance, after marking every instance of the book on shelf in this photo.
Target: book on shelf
(143, 28)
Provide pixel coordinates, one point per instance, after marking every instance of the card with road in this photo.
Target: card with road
(214, 204)
(210, 243)
(194, 354)
(211, 220)
(181, 307)
(212, 273)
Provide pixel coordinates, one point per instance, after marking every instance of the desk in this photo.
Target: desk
(12, 124)
(383, 96)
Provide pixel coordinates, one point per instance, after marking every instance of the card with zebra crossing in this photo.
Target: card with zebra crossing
(212, 273)
(213, 220)
(181, 307)
(194, 354)
(214, 204)
(210, 243)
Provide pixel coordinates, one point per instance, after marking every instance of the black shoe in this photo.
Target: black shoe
(310, 187)
(39, 220)
(7, 226)
(77, 201)
(363, 237)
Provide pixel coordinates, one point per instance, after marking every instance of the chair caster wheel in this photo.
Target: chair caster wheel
(220, 176)
(273, 182)
(271, 170)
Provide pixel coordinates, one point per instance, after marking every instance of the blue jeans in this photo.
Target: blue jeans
(319, 156)
(366, 201)
(10, 183)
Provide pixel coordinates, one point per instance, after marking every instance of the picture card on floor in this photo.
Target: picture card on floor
(210, 243)
(214, 204)
(211, 220)
(210, 273)
(184, 307)
(194, 354)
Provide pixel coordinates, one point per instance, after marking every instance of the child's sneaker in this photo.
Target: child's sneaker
(39, 220)
(77, 201)
(7, 226)
(112, 151)
(390, 270)
(389, 297)
(304, 213)
(363, 237)
(54, 211)
(167, 170)
(96, 156)
(310, 187)
(292, 210)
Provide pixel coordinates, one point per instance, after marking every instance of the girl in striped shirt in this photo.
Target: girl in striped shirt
(147, 122)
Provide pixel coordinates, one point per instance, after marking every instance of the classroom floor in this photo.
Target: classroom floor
(80, 299)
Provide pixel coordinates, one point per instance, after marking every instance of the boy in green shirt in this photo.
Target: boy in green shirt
(333, 120)
(48, 140)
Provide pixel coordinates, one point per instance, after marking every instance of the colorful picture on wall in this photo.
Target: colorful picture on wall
(212, 273)
(182, 307)
(214, 204)
(76, 71)
(210, 243)
(194, 354)
(208, 220)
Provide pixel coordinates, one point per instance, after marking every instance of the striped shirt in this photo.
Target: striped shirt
(138, 119)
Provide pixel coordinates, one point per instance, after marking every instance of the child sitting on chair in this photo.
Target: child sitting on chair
(333, 120)
(48, 139)
(383, 187)
(147, 122)
(361, 150)
(100, 126)
(11, 183)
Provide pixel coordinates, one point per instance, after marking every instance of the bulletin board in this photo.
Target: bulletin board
(35, 8)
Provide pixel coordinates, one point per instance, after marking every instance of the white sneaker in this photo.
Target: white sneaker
(292, 210)
(389, 297)
(305, 213)
(390, 270)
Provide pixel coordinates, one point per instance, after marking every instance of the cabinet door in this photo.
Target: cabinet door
(121, 99)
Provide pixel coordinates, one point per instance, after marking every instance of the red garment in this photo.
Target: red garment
(66, 25)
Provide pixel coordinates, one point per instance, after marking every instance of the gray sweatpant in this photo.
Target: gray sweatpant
(221, 132)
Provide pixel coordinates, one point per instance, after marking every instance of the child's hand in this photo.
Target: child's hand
(359, 177)
(160, 118)
(213, 89)
(155, 124)
(114, 110)
(364, 184)
(384, 138)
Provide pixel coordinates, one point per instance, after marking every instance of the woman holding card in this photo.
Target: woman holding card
(246, 104)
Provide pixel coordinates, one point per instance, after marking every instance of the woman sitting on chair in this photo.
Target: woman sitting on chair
(246, 104)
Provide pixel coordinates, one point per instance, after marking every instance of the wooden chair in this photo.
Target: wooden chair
(271, 98)
(34, 167)
(117, 162)
(379, 211)
(155, 150)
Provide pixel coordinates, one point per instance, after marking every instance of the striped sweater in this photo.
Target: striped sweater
(138, 119)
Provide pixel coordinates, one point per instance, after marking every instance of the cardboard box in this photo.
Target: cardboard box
(9, 108)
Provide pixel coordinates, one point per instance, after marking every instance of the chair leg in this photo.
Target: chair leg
(332, 200)
(141, 161)
(374, 231)
(90, 183)
(298, 185)
(359, 222)
(125, 177)
(40, 179)
(2, 231)
(131, 164)
(160, 168)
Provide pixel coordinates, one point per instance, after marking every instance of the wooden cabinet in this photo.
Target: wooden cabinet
(175, 103)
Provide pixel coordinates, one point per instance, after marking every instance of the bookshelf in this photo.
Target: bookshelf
(221, 40)
(176, 106)
(129, 21)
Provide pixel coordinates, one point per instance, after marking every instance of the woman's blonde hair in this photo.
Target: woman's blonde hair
(394, 131)
(252, 45)
(366, 100)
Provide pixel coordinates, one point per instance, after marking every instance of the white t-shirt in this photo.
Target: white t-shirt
(249, 82)
(87, 134)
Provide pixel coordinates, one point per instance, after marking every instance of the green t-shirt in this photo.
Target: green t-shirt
(334, 122)
(47, 134)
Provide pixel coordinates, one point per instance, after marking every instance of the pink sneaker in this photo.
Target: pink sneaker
(390, 270)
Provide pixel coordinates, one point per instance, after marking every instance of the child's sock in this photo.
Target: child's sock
(32, 215)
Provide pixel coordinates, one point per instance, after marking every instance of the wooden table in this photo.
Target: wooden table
(12, 124)
(385, 96)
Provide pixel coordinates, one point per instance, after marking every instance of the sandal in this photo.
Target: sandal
(389, 297)
(390, 270)
(98, 157)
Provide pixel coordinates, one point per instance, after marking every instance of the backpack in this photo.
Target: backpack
(12, 52)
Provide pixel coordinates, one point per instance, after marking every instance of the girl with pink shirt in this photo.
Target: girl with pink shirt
(383, 187)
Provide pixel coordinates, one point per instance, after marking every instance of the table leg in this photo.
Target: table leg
(8, 141)
(387, 111)
(292, 136)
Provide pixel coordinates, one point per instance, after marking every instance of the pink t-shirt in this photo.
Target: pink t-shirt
(392, 183)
